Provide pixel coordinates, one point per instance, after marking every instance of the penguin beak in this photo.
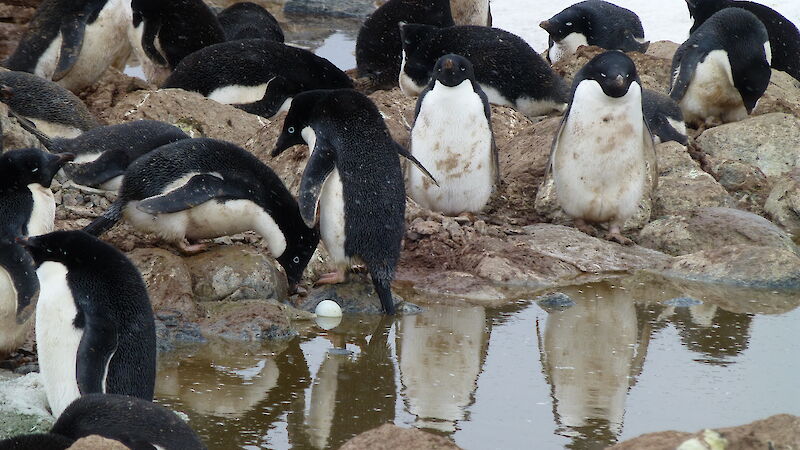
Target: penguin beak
(23, 241)
(6, 92)
(619, 81)
(64, 158)
(448, 64)
(545, 25)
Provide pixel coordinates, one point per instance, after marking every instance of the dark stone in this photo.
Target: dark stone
(555, 301)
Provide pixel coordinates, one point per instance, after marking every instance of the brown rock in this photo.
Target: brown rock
(783, 203)
(109, 90)
(662, 49)
(95, 442)
(248, 320)
(169, 283)
(654, 71)
(782, 95)
(391, 437)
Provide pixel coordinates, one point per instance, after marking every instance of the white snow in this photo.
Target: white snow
(24, 395)
(662, 19)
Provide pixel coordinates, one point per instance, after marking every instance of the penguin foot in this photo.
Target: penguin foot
(359, 268)
(616, 236)
(584, 227)
(190, 249)
(339, 276)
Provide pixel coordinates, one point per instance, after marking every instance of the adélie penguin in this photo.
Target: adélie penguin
(247, 20)
(353, 180)
(19, 289)
(664, 117)
(723, 69)
(95, 331)
(203, 188)
(452, 135)
(603, 156)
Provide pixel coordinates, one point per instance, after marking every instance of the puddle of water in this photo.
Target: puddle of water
(617, 364)
(339, 48)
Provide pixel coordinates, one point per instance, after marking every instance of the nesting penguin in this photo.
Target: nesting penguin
(131, 421)
(603, 156)
(73, 42)
(95, 331)
(593, 22)
(508, 70)
(452, 135)
(197, 189)
(19, 289)
(52, 109)
(378, 49)
(246, 20)
(353, 180)
(162, 33)
(258, 75)
(723, 69)
(664, 117)
(27, 205)
(784, 37)
(471, 12)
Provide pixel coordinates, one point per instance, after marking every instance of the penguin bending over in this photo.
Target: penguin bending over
(197, 189)
(593, 22)
(19, 289)
(353, 180)
(54, 110)
(27, 205)
(508, 70)
(246, 20)
(73, 42)
(603, 156)
(94, 325)
(722, 70)
(452, 135)
(131, 421)
(664, 117)
(784, 37)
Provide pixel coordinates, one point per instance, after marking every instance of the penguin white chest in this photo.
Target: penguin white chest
(237, 94)
(331, 218)
(452, 139)
(408, 85)
(566, 46)
(44, 210)
(57, 337)
(13, 334)
(711, 93)
(599, 164)
(46, 66)
(54, 129)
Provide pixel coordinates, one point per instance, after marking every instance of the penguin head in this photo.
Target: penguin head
(614, 71)
(752, 81)
(451, 70)
(297, 119)
(298, 253)
(701, 10)
(19, 168)
(419, 59)
(71, 248)
(568, 21)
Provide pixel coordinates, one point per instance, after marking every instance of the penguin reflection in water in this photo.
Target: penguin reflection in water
(353, 177)
(603, 156)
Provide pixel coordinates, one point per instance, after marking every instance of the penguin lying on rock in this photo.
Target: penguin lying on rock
(246, 20)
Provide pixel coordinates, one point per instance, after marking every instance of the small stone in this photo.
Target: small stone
(556, 301)
(682, 302)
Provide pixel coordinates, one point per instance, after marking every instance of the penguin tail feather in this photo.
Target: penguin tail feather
(105, 222)
(383, 286)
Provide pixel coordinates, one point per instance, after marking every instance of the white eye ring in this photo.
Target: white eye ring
(463, 69)
(603, 75)
(290, 130)
(296, 260)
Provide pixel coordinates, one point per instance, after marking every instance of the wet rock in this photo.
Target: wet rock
(357, 296)
(392, 437)
(95, 442)
(653, 69)
(248, 320)
(555, 301)
(461, 285)
(337, 8)
(783, 203)
(171, 331)
(777, 432)
(710, 228)
(235, 272)
(765, 141)
(682, 302)
(740, 265)
(169, 283)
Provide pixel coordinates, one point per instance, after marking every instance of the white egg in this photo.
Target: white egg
(328, 308)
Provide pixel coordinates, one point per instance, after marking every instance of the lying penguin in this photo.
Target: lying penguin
(452, 134)
(246, 20)
(73, 42)
(508, 70)
(593, 22)
(131, 421)
(197, 189)
(19, 289)
(723, 69)
(353, 180)
(603, 156)
(95, 331)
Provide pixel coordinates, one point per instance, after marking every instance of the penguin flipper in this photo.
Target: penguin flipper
(683, 71)
(97, 172)
(149, 36)
(72, 32)
(407, 155)
(650, 159)
(548, 171)
(198, 190)
(319, 167)
(98, 344)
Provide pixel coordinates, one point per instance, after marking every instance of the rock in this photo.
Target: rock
(555, 301)
(357, 296)
(95, 442)
(248, 320)
(782, 95)
(781, 431)
(710, 228)
(392, 437)
(653, 70)
(109, 90)
(235, 272)
(767, 142)
(747, 183)
(783, 203)
(13, 136)
(169, 283)
(337, 8)
(740, 265)
(462, 286)
(663, 50)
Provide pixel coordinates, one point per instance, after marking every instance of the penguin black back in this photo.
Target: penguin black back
(784, 37)
(247, 20)
(378, 48)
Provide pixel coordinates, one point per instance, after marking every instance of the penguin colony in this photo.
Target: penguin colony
(93, 319)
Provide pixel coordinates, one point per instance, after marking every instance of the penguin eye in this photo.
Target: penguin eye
(627, 75)
(296, 260)
(290, 130)
(463, 69)
(602, 75)
(34, 170)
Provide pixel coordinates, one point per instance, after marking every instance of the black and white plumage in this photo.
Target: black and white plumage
(197, 189)
(664, 117)
(95, 331)
(73, 42)
(19, 289)
(508, 70)
(246, 20)
(258, 75)
(603, 156)
(378, 48)
(53, 110)
(452, 135)
(593, 22)
(352, 179)
(131, 421)
(784, 37)
(722, 70)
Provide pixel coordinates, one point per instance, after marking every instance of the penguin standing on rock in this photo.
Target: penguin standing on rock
(94, 325)
(353, 180)
(593, 22)
(73, 42)
(452, 135)
(722, 70)
(19, 288)
(603, 156)
(197, 189)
